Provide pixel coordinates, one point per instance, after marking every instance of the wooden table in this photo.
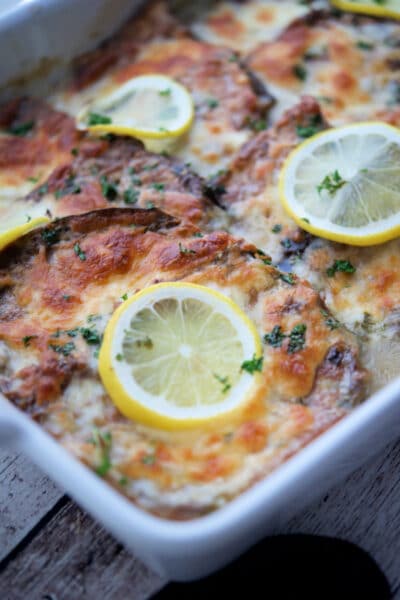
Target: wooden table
(52, 550)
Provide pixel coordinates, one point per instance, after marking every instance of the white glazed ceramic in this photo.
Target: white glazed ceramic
(188, 550)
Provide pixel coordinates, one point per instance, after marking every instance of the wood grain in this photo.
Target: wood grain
(364, 509)
(26, 495)
(73, 557)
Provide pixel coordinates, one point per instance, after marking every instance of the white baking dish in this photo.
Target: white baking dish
(177, 550)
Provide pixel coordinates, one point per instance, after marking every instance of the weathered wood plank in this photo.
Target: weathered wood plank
(364, 509)
(73, 557)
(26, 495)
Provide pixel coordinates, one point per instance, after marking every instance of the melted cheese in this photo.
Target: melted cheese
(349, 64)
(195, 470)
(242, 26)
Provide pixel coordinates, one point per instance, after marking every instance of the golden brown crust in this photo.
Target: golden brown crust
(343, 59)
(120, 172)
(48, 291)
(154, 21)
(46, 142)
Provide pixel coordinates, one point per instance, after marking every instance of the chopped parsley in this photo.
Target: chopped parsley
(198, 234)
(97, 119)
(313, 126)
(224, 381)
(43, 189)
(64, 349)
(150, 167)
(70, 188)
(276, 337)
(26, 340)
(300, 72)
(297, 338)
(124, 297)
(212, 103)
(33, 179)
(119, 357)
(50, 236)
(103, 442)
(330, 321)
(21, 129)
(363, 45)
(145, 343)
(253, 365)
(331, 183)
(79, 252)
(90, 335)
(160, 187)
(74, 151)
(287, 278)
(184, 250)
(148, 459)
(166, 93)
(258, 124)
(276, 228)
(108, 188)
(340, 266)
(131, 196)
(123, 481)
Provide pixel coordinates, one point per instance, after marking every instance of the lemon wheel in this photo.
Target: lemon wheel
(146, 107)
(177, 355)
(344, 184)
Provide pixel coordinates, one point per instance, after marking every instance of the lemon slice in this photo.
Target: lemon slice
(377, 8)
(13, 233)
(146, 107)
(177, 355)
(344, 184)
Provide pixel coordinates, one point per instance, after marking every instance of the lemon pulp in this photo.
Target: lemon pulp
(172, 356)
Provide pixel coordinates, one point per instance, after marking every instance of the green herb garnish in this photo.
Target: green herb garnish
(276, 337)
(21, 129)
(50, 236)
(331, 183)
(297, 338)
(79, 252)
(26, 340)
(108, 188)
(184, 250)
(224, 381)
(330, 321)
(97, 119)
(64, 349)
(131, 196)
(253, 365)
(287, 278)
(103, 442)
(300, 72)
(340, 266)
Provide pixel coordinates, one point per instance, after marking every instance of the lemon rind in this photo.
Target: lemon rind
(7, 237)
(137, 411)
(366, 9)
